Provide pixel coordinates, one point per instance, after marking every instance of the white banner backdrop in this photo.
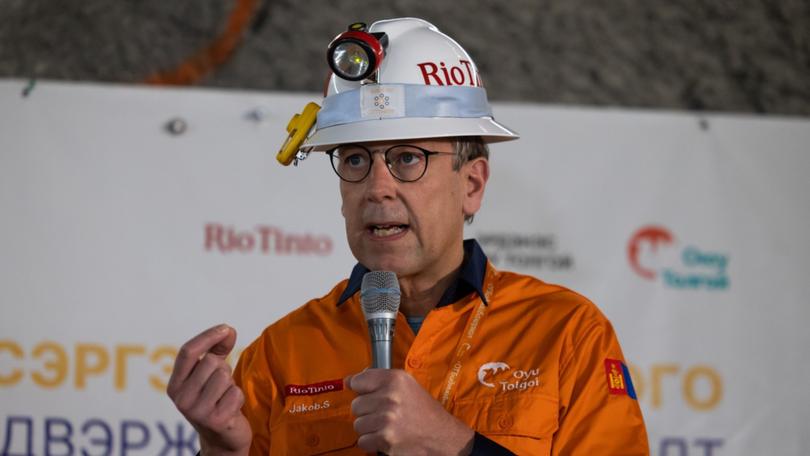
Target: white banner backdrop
(120, 240)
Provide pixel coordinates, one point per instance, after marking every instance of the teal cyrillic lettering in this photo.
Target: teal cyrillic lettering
(127, 442)
(178, 443)
(63, 438)
(8, 447)
(106, 442)
(668, 443)
(708, 445)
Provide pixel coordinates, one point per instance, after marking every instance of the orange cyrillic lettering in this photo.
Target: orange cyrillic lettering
(16, 375)
(84, 368)
(658, 372)
(58, 364)
(715, 392)
(122, 352)
(169, 353)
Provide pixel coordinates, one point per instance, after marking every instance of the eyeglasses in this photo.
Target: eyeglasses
(352, 162)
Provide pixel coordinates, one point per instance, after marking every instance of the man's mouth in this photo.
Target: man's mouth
(387, 230)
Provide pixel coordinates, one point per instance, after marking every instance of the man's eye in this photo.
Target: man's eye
(408, 158)
(354, 160)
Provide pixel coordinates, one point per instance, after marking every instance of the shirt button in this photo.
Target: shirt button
(505, 422)
(414, 363)
(313, 440)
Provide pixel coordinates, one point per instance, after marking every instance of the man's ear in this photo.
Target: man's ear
(476, 175)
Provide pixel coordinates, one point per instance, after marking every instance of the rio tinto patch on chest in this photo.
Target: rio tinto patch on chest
(314, 388)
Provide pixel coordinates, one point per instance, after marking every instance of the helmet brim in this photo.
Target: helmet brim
(403, 129)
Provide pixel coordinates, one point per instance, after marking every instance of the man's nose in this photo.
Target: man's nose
(380, 184)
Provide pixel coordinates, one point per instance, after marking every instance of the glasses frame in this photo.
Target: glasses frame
(388, 163)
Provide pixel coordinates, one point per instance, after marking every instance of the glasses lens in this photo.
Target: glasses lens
(407, 163)
(351, 163)
(350, 60)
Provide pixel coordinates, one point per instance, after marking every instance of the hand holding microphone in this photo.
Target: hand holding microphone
(393, 413)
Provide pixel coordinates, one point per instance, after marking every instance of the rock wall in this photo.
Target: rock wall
(742, 56)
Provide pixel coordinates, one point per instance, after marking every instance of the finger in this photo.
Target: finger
(370, 403)
(371, 423)
(189, 392)
(190, 353)
(371, 443)
(368, 381)
(231, 402)
(217, 384)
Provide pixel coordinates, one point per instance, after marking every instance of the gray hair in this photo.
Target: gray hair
(467, 149)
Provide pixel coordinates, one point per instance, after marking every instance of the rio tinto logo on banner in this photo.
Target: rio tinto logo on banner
(655, 254)
(264, 239)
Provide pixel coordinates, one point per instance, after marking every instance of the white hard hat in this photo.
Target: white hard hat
(426, 86)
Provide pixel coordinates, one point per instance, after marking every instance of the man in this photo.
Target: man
(485, 361)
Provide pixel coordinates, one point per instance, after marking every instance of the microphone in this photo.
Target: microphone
(379, 298)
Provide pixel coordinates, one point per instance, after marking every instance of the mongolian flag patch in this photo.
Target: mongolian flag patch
(618, 378)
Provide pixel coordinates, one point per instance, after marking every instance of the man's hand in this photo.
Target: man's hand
(394, 415)
(202, 388)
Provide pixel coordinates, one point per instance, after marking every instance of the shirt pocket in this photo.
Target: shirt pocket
(523, 423)
(322, 433)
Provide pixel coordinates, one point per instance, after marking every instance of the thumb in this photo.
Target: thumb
(226, 344)
(347, 381)
(360, 386)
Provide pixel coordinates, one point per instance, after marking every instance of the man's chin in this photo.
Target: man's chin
(393, 263)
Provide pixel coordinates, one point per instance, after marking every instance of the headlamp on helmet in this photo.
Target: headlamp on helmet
(356, 54)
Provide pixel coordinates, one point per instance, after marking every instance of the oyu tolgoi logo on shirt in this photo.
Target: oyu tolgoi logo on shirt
(517, 380)
(488, 369)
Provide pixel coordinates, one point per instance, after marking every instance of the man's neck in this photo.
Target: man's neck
(421, 293)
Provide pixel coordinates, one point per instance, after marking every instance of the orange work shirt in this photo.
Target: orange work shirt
(536, 369)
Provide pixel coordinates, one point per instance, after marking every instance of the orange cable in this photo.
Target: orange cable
(215, 54)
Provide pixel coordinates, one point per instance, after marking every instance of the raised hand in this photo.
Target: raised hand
(202, 388)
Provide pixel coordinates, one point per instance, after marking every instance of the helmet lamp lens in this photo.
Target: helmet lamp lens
(351, 61)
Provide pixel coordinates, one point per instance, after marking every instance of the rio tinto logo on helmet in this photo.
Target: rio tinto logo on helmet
(443, 74)
(654, 254)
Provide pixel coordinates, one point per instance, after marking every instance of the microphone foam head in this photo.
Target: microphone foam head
(379, 294)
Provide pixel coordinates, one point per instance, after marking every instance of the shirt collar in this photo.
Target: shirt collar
(470, 277)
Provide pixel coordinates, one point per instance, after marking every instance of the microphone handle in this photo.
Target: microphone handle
(381, 354)
(381, 333)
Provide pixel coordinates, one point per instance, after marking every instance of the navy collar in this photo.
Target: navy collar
(470, 278)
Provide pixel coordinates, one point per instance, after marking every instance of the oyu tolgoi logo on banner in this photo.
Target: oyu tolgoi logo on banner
(656, 254)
